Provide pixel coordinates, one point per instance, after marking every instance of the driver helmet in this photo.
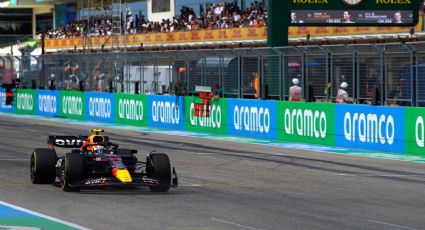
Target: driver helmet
(295, 81)
(344, 85)
(98, 149)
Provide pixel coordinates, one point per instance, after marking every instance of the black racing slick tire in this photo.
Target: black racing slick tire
(158, 167)
(42, 166)
(72, 172)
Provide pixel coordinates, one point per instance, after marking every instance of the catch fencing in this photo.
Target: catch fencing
(391, 74)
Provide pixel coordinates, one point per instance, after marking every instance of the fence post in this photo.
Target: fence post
(81, 85)
(136, 87)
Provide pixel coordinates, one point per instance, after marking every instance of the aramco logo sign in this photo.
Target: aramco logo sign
(130, 109)
(100, 107)
(251, 119)
(306, 123)
(25, 101)
(369, 128)
(165, 112)
(47, 103)
(72, 105)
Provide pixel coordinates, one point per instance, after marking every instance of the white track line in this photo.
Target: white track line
(43, 216)
(188, 184)
(392, 225)
(18, 228)
(231, 223)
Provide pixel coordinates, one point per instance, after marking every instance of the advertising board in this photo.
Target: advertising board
(25, 101)
(306, 122)
(48, 103)
(252, 118)
(215, 122)
(100, 107)
(370, 127)
(131, 109)
(72, 105)
(4, 107)
(166, 112)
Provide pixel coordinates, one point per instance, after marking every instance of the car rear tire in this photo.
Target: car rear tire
(42, 166)
(158, 167)
(72, 172)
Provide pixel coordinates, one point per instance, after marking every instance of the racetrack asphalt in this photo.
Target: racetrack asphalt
(223, 185)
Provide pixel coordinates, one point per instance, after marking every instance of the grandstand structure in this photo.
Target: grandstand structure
(122, 14)
(113, 11)
(228, 37)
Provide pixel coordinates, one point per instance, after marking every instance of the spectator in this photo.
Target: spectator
(255, 83)
(225, 15)
(101, 83)
(137, 21)
(295, 91)
(72, 83)
(342, 95)
(217, 92)
(129, 22)
(180, 90)
(52, 82)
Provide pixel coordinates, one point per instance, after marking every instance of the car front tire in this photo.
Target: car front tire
(42, 166)
(158, 167)
(72, 172)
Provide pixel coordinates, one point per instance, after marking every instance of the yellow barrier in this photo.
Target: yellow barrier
(218, 35)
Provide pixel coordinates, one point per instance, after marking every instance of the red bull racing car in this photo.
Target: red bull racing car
(95, 161)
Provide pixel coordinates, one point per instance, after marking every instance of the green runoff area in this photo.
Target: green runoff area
(13, 218)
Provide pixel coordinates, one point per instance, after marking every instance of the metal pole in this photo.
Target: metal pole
(260, 75)
(240, 77)
(186, 72)
(413, 102)
(127, 73)
(142, 84)
(356, 72)
(124, 29)
(281, 81)
(383, 74)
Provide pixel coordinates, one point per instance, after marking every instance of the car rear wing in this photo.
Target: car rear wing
(69, 141)
(65, 141)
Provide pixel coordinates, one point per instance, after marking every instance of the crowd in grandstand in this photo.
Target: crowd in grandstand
(78, 29)
(223, 15)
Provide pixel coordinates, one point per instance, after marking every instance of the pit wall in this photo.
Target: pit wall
(381, 128)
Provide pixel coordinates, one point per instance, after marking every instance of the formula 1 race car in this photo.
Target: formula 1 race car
(95, 161)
